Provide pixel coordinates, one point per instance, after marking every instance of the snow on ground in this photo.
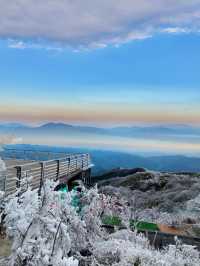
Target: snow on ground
(52, 229)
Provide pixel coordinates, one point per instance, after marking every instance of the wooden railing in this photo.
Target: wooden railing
(31, 154)
(33, 173)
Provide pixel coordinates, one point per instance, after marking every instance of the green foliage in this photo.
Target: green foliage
(140, 225)
(112, 220)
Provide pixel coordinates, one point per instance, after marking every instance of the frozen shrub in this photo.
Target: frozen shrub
(48, 230)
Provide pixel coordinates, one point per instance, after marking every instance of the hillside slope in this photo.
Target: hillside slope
(165, 196)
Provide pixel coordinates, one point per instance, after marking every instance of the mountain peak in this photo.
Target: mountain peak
(55, 125)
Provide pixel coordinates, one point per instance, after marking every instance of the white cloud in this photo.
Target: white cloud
(17, 45)
(94, 23)
(14, 44)
(176, 30)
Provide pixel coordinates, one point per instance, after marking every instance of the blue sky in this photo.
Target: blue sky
(151, 75)
(164, 60)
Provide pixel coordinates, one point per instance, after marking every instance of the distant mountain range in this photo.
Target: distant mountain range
(66, 129)
(107, 160)
(143, 140)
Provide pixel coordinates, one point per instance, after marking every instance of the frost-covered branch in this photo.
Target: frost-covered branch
(58, 232)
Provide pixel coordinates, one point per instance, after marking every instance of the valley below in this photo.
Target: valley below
(160, 197)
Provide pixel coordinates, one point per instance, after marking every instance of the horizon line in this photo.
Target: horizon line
(136, 124)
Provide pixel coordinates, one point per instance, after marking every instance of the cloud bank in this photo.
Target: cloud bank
(95, 23)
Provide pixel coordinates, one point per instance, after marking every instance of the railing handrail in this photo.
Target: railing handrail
(39, 151)
(48, 161)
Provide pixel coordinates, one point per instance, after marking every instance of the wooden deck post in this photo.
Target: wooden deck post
(82, 161)
(41, 178)
(58, 170)
(19, 176)
(69, 162)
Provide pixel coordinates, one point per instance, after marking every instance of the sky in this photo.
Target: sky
(149, 81)
(100, 63)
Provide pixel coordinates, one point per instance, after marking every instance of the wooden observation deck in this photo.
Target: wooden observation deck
(20, 172)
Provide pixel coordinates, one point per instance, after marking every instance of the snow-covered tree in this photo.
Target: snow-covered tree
(2, 177)
(44, 229)
(49, 229)
(126, 248)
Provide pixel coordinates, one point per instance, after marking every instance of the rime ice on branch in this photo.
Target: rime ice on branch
(50, 230)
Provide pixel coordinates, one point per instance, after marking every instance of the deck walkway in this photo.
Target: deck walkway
(18, 172)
